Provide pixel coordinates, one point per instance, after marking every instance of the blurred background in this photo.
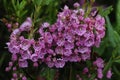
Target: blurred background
(109, 47)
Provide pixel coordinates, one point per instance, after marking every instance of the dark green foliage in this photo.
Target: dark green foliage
(105, 12)
(46, 10)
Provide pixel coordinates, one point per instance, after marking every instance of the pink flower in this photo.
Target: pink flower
(14, 57)
(83, 49)
(89, 42)
(48, 37)
(23, 63)
(82, 12)
(34, 57)
(74, 58)
(85, 70)
(24, 78)
(67, 52)
(14, 68)
(85, 56)
(99, 63)
(25, 54)
(10, 64)
(52, 28)
(109, 74)
(9, 25)
(7, 69)
(50, 64)
(45, 25)
(13, 48)
(26, 26)
(15, 75)
(68, 45)
(59, 50)
(76, 5)
(25, 43)
(59, 64)
(16, 32)
(81, 30)
(35, 64)
(100, 74)
(60, 42)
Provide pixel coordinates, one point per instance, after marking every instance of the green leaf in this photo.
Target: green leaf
(113, 36)
(117, 37)
(117, 61)
(118, 14)
(13, 3)
(92, 76)
(100, 50)
(23, 13)
(105, 12)
(48, 73)
(1, 59)
(18, 13)
(116, 70)
(22, 5)
(108, 66)
(17, 4)
(47, 2)
(37, 2)
(110, 32)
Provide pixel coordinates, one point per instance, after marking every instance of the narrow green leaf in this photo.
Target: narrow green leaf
(48, 73)
(117, 37)
(5, 4)
(118, 14)
(17, 5)
(100, 50)
(37, 2)
(116, 70)
(13, 3)
(117, 61)
(93, 76)
(105, 12)
(18, 13)
(22, 5)
(23, 13)
(108, 66)
(110, 32)
(2, 58)
(47, 2)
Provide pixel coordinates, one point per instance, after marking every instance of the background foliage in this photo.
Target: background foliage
(46, 10)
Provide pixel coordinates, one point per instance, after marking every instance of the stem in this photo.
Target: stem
(65, 73)
(28, 74)
(70, 75)
(35, 16)
(118, 57)
(88, 6)
(116, 70)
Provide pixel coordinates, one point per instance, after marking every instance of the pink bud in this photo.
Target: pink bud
(109, 74)
(15, 75)
(35, 64)
(14, 68)
(10, 64)
(7, 69)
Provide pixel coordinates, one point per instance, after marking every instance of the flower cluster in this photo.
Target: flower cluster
(69, 39)
(97, 67)
(99, 63)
